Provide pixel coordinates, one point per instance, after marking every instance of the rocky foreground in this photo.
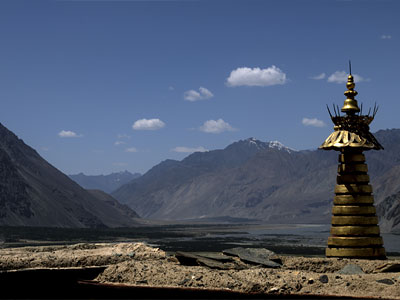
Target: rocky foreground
(240, 269)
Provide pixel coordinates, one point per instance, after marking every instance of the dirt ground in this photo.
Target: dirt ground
(138, 264)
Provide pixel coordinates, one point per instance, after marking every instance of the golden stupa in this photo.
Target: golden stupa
(354, 231)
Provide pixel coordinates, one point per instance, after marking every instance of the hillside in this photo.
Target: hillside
(34, 193)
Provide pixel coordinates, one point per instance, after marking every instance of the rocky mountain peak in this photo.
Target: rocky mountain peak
(259, 145)
(256, 143)
(278, 145)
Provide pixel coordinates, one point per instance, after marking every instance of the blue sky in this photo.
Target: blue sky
(104, 86)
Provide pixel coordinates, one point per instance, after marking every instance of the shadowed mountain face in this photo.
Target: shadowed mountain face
(105, 183)
(253, 179)
(34, 193)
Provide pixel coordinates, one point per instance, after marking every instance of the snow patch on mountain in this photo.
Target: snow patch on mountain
(258, 144)
(278, 145)
(271, 144)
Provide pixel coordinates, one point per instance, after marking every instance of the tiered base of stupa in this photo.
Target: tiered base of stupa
(354, 231)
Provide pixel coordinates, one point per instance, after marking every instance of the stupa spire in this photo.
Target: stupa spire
(350, 106)
(354, 232)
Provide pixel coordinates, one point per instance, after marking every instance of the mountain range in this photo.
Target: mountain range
(249, 179)
(105, 183)
(34, 193)
(261, 180)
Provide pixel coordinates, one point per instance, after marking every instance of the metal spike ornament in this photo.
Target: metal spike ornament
(354, 231)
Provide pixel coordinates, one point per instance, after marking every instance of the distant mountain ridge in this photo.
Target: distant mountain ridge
(105, 183)
(170, 173)
(259, 180)
(184, 189)
(34, 193)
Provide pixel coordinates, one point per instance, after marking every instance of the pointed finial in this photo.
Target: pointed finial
(350, 106)
(350, 66)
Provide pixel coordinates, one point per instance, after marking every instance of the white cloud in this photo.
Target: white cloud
(68, 134)
(313, 122)
(202, 94)
(117, 143)
(205, 93)
(216, 126)
(171, 88)
(192, 95)
(341, 77)
(189, 150)
(256, 77)
(319, 77)
(148, 124)
(386, 36)
(131, 150)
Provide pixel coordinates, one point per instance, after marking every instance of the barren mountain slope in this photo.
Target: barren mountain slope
(34, 193)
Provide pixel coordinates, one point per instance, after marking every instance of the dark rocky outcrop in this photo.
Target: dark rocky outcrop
(389, 211)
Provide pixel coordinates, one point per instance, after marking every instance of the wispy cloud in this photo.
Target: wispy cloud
(121, 137)
(256, 77)
(117, 143)
(148, 124)
(171, 88)
(189, 150)
(216, 126)
(202, 94)
(131, 150)
(313, 122)
(319, 77)
(386, 36)
(341, 77)
(68, 134)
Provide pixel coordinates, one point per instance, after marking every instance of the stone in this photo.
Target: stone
(256, 288)
(311, 280)
(215, 256)
(323, 279)
(144, 281)
(386, 281)
(351, 269)
(260, 256)
(184, 281)
(388, 268)
(299, 286)
(191, 259)
(273, 290)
